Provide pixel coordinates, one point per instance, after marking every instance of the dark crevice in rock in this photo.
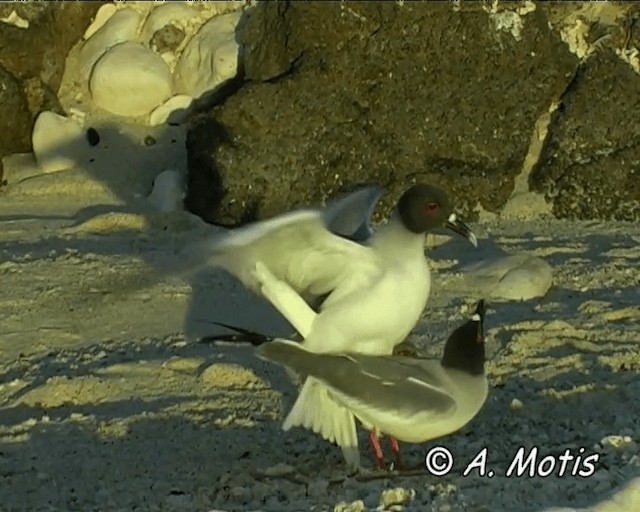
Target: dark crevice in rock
(591, 160)
(550, 146)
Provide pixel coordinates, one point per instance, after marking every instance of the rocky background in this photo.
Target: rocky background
(488, 101)
(394, 93)
(35, 39)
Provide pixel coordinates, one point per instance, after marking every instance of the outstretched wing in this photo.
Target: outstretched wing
(298, 248)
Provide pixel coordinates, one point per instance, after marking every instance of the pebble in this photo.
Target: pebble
(279, 470)
(516, 405)
(210, 58)
(130, 80)
(618, 443)
(395, 497)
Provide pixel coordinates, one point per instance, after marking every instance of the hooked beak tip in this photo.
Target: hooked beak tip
(459, 227)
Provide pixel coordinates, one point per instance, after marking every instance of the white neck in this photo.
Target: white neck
(395, 241)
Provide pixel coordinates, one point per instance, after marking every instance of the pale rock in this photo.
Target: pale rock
(174, 110)
(516, 405)
(618, 443)
(121, 26)
(397, 496)
(279, 470)
(210, 58)
(510, 277)
(168, 191)
(16, 20)
(130, 80)
(58, 142)
(177, 13)
(102, 15)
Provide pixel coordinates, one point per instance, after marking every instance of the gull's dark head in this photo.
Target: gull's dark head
(423, 208)
(464, 349)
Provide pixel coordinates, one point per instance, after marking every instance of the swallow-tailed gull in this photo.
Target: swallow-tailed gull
(409, 399)
(373, 285)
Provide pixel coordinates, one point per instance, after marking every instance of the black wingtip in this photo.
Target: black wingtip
(240, 335)
(481, 309)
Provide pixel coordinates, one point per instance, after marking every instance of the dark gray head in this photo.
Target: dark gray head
(424, 208)
(464, 349)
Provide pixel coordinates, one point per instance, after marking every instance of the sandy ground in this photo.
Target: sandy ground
(108, 402)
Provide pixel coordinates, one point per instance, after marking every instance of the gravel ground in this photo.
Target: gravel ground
(109, 403)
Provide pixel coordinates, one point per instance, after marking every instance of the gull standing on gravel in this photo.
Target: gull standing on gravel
(373, 286)
(409, 399)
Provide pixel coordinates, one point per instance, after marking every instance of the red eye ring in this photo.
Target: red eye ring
(431, 207)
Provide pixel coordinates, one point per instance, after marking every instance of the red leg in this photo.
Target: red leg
(377, 451)
(395, 450)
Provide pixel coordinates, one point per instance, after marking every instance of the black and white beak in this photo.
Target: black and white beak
(457, 226)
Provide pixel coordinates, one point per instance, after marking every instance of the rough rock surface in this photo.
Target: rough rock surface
(35, 55)
(14, 116)
(590, 168)
(385, 92)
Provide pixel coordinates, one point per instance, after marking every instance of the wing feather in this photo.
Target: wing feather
(297, 248)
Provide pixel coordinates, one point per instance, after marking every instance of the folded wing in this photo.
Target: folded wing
(401, 386)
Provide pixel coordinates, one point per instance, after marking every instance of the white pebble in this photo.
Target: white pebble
(516, 405)
(397, 496)
(618, 443)
(210, 58)
(130, 80)
(58, 142)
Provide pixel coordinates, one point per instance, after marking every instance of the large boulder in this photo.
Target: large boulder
(346, 93)
(590, 168)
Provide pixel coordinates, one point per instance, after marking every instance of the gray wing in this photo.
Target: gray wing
(389, 383)
(350, 216)
(297, 248)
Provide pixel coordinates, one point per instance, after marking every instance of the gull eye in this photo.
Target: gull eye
(431, 207)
